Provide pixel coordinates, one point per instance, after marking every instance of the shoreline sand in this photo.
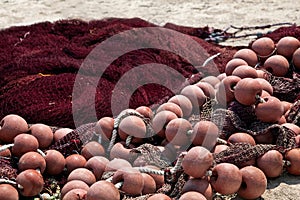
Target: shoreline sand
(193, 13)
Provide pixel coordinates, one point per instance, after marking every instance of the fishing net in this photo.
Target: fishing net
(38, 66)
(41, 61)
(7, 171)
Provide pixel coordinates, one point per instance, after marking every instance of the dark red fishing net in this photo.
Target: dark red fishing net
(6, 170)
(29, 54)
(58, 49)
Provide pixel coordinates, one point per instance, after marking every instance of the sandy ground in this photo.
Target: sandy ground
(182, 12)
(217, 14)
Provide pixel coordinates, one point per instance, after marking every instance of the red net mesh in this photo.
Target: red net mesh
(7, 171)
(59, 48)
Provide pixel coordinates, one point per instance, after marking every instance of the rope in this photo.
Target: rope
(150, 171)
(178, 163)
(119, 118)
(222, 36)
(128, 140)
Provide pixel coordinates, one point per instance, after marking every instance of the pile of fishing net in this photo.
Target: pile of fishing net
(39, 65)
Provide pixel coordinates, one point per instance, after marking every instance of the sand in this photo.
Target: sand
(217, 14)
(182, 12)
